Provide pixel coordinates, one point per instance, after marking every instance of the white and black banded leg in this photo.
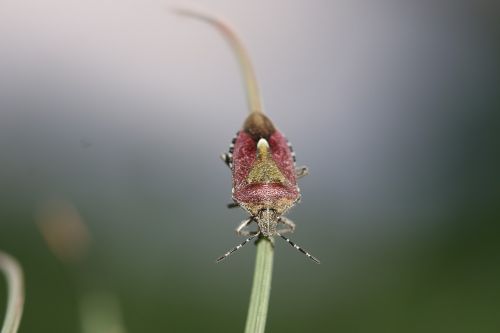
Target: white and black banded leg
(243, 225)
(301, 171)
(289, 225)
(227, 158)
(236, 248)
(313, 258)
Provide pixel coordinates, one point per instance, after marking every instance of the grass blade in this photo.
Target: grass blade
(15, 292)
(261, 288)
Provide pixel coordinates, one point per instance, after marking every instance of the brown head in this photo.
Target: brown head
(258, 126)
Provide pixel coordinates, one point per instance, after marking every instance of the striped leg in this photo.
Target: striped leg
(290, 226)
(228, 253)
(300, 249)
(227, 158)
(243, 225)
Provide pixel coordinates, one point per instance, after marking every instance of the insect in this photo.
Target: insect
(262, 161)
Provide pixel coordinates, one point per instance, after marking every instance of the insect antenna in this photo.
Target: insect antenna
(234, 249)
(313, 258)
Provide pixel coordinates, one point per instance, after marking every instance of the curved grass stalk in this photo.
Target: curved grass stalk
(15, 292)
(261, 288)
(249, 78)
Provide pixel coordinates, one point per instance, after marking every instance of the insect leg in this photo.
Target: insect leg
(228, 253)
(290, 226)
(233, 205)
(227, 158)
(243, 225)
(299, 248)
(301, 171)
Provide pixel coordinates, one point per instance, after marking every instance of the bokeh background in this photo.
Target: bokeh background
(112, 195)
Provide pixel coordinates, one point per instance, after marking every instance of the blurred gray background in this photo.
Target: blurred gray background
(119, 109)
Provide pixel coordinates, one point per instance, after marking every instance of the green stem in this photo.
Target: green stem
(15, 292)
(261, 289)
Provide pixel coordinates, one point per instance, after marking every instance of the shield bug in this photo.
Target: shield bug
(262, 161)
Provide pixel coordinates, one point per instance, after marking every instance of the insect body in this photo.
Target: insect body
(262, 161)
(264, 180)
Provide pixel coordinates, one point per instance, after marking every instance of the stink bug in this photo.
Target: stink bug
(261, 159)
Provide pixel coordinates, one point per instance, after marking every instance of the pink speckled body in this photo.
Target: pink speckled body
(277, 195)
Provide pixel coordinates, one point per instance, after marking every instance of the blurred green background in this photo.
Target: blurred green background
(112, 117)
